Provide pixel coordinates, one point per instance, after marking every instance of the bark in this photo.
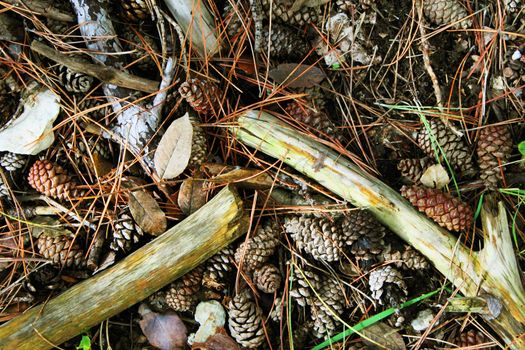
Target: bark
(492, 272)
(177, 251)
(43, 8)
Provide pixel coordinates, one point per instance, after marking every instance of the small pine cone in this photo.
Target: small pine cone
(441, 207)
(256, 250)
(8, 105)
(267, 278)
(135, 10)
(277, 310)
(13, 161)
(318, 236)
(317, 122)
(245, 321)
(199, 145)
(202, 95)
(74, 81)
(95, 106)
(52, 180)
(281, 13)
(445, 12)
(125, 231)
(284, 43)
(182, 294)
(61, 251)
(324, 325)
(454, 147)
(4, 188)
(233, 17)
(473, 338)
(513, 6)
(141, 48)
(302, 283)
(344, 5)
(331, 302)
(494, 148)
(412, 169)
(95, 145)
(315, 95)
(414, 260)
(217, 268)
(387, 286)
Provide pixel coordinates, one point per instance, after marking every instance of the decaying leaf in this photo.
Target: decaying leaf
(147, 213)
(49, 226)
(435, 176)
(32, 131)
(244, 177)
(297, 75)
(382, 336)
(218, 341)
(164, 331)
(174, 149)
(192, 195)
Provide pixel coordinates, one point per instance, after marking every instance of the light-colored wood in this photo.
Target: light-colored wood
(143, 272)
(493, 271)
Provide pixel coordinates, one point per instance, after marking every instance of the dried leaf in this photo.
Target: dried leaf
(174, 149)
(298, 4)
(147, 213)
(49, 226)
(192, 195)
(435, 176)
(32, 131)
(102, 166)
(164, 331)
(297, 75)
(380, 335)
(218, 341)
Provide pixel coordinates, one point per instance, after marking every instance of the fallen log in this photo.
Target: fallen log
(140, 274)
(492, 273)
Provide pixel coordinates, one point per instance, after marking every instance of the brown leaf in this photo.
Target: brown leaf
(174, 149)
(102, 166)
(219, 341)
(192, 195)
(245, 177)
(147, 213)
(164, 331)
(382, 336)
(297, 75)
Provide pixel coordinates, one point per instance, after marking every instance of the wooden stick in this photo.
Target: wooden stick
(105, 74)
(42, 8)
(493, 271)
(177, 251)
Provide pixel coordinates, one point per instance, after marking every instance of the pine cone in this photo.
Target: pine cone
(412, 169)
(267, 278)
(135, 10)
(73, 81)
(12, 161)
(199, 145)
(324, 325)
(318, 236)
(95, 145)
(61, 250)
(277, 309)
(52, 180)
(255, 251)
(331, 302)
(284, 43)
(387, 286)
(441, 207)
(97, 110)
(8, 105)
(217, 268)
(317, 122)
(202, 95)
(454, 147)
(4, 188)
(302, 281)
(473, 338)
(494, 149)
(141, 48)
(513, 6)
(445, 12)
(233, 17)
(315, 95)
(125, 232)
(182, 294)
(245, 321)
(405, 257)
(281, 13)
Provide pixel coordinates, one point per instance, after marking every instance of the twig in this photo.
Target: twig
(106, 74)
(42, 8)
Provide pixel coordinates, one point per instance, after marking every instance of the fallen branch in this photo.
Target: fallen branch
(105, 74)
(140, 274)
(492, 273)
(42, 8)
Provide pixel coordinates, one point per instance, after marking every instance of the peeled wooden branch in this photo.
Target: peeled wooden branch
(103, 73)
(492, 273)
(168, 257)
